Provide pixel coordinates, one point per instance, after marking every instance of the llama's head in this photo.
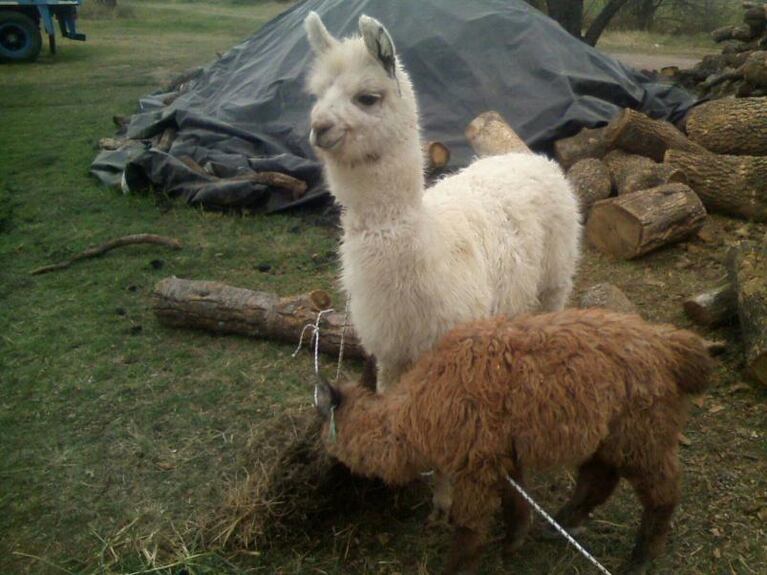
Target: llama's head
(365, 102)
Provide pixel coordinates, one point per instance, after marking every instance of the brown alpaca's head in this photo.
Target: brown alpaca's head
(326, 397)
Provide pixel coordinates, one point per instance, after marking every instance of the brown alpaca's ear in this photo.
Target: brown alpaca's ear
(326, 397)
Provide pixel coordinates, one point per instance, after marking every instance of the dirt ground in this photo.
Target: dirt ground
(649, 61)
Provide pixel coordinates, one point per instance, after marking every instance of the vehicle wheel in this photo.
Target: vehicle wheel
(20, 39)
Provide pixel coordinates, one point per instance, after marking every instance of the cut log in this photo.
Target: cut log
(588, 143)
(734, 185)
(607, 296)
(220, 308)
(633, 224)
(735, 126)
(714, 307)
(743, 32)
(748, 274)
(166, 140)
(437, 156)
(632, 173)
(634, 132)
(591, 181)
(112, 143)
(722, 34)
(490, 135)
(755, 69)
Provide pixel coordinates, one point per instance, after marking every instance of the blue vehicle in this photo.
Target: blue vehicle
(20, 22)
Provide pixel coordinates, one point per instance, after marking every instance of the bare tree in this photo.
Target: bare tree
(569, 13)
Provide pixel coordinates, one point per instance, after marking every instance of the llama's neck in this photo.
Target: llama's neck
(368, 441)
(379, 191)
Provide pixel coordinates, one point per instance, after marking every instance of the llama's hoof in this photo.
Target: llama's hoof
(438, 518)
(633, 568)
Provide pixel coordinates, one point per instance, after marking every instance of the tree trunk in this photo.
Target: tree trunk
(591, 180)
(569, 14)
(754, 69)
(736, 126)
(748, 273)
(714, 307)
(588, 143)
(220, 308)
(602, 20)
(634, 224)
(490, 135)
(634, 132)
(734, 185)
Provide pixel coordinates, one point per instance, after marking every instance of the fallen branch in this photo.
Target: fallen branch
(216, 307)
(107, 246)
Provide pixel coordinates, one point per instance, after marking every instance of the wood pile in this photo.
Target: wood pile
(741, 68)
(645, 184)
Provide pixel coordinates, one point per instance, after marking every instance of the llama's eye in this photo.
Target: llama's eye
(367, 100)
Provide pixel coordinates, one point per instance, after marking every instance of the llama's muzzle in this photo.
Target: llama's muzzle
(324, 136)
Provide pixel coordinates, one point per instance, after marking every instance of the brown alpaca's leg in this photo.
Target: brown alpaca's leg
(596, 482)
(516, 516)
(475, 502)
(658, 490)
(465, 552)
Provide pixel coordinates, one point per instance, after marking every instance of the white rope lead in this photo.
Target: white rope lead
(558, 527)
(343, 336)
(315, 327)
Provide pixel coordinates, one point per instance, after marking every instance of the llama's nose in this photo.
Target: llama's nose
(319, 134)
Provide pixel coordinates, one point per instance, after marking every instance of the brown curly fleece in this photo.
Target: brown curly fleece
(604, 391)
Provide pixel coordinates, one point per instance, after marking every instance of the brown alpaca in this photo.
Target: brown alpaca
(603, 391)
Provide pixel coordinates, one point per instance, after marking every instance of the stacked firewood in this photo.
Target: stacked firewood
(645, 183)
(741, 68)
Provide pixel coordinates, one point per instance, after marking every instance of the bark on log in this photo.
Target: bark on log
(166, 140)
(722, 34)
(588, 143)
(220, 308)
(632, 173)
(490, 135)
(591, 181)
(634, 132)
(112, 143)
(607, 296)
(743, 32)
(748, 273)
(754, 69)
(734, 185)
(735, 126)
(714, 307)
(633, 224)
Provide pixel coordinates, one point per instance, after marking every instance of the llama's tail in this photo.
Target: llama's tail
(691, 361)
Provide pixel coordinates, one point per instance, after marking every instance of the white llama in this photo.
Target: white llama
(500, 237)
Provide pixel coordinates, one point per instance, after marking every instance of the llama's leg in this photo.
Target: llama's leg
(389, 374)
(465, 552)
(658, 489)
(369, 373)
(475, 502)
(596, 482)
(442, 499)
(516, 515)
(554, 298)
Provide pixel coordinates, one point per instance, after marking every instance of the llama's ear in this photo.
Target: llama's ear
(319, 38)
(378, 43)
(326, 397)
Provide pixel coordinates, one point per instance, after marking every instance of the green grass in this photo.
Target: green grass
(118, 435)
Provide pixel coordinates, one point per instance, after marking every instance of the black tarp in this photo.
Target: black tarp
(248, 110)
